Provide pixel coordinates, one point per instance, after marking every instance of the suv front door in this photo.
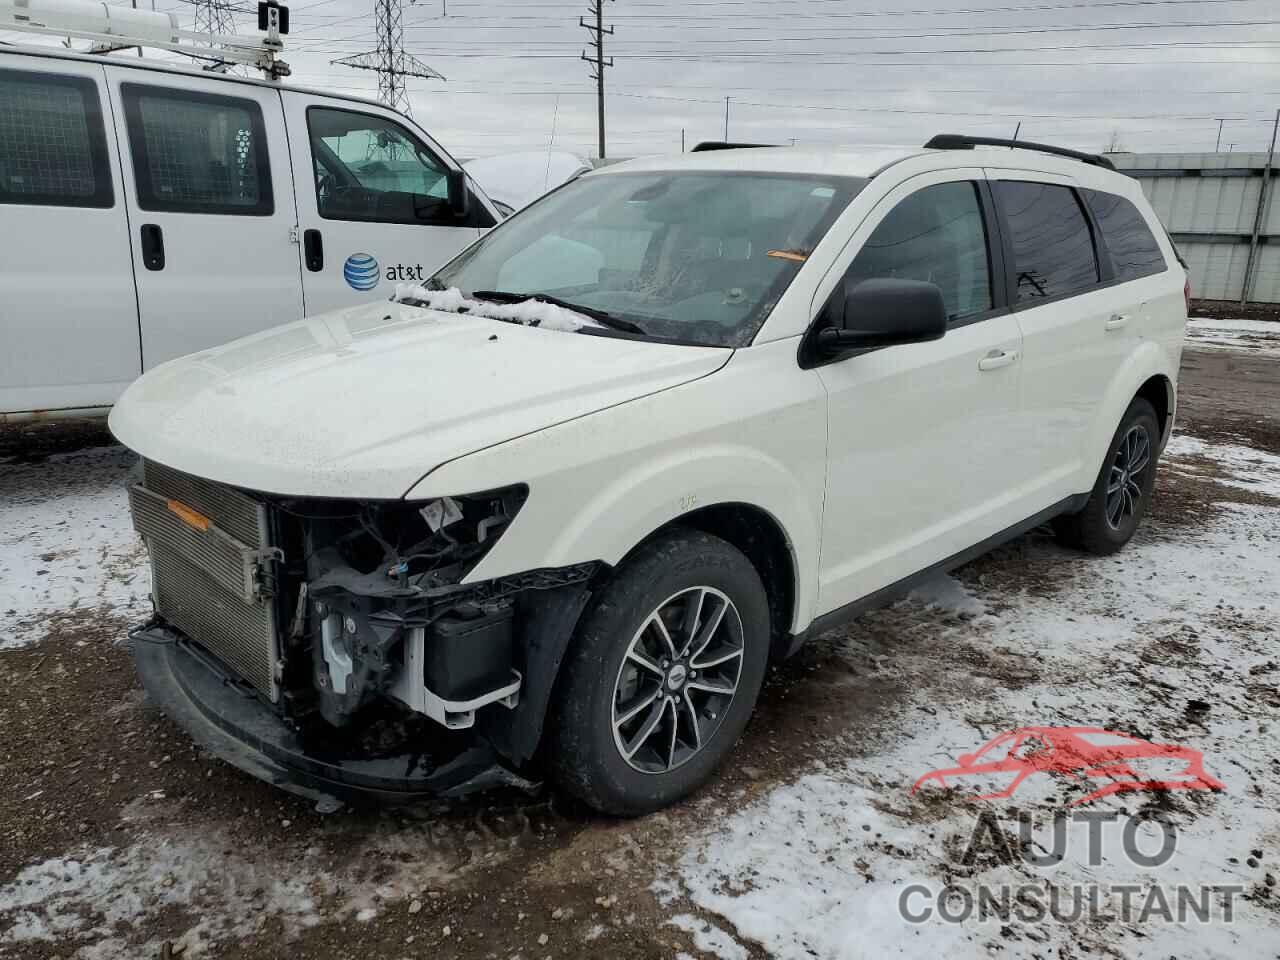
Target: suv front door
(919, 436)
(372, 203)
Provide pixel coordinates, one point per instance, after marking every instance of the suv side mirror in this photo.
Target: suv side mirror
(885, 312)
(459, 195)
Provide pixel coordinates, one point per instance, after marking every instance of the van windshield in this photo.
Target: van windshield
(694, 257)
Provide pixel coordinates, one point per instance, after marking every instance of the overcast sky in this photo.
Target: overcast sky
(1156, 74)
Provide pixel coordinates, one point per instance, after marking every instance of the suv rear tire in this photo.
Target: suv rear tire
(1123, 489)
(662, 675)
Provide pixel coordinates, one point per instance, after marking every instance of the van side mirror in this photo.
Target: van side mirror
(885, 312)
(459, 195)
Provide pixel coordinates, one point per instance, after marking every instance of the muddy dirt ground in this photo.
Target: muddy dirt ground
(86, 765)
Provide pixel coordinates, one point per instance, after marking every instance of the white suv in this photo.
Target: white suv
(553, 511)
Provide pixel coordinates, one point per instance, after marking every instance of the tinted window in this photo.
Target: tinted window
(53, 148)
(196, 153)
(1129, 240)
(371, 169)
(1052, 246)
(937, 235)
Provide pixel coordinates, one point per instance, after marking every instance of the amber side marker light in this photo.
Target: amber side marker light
(191, 518)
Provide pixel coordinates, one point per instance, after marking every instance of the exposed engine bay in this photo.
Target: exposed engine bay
(373, 645)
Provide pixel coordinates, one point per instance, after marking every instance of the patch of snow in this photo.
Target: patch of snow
(709, 938)
(1240, 466)
(67, 543)
(531, 313)
(1254, 336)
(948, 595)
(87, 897)
(819, 867)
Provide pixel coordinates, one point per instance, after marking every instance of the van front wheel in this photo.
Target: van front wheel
(662, 676)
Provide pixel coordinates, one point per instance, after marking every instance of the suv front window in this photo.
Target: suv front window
(698, 257)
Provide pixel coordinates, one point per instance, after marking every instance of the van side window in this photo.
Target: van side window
(1053, 254)
(53, 146)
(937, 235)
(197, 153)
(373, 170)
(1128, 239)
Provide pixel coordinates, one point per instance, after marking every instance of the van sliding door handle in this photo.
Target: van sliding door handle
(1116, 321)
(152, 246)
(997, 359)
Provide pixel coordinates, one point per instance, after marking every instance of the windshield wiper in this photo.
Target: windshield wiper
(601, 316)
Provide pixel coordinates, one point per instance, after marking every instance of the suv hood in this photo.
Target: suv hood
(363, 402)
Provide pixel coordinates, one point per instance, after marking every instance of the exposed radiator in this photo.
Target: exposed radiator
(207, 543)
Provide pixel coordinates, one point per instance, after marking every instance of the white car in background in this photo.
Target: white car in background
(515, 180)
(551, 512)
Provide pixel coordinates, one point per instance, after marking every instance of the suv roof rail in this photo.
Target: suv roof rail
(960, 141)
(706, 145)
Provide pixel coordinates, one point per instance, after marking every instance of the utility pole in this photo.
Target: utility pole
(597, 31)
(682, 139)
(726, 118)
(1218, 145)
(390, 61)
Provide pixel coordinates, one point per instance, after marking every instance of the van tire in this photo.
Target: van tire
(1096, 529)
(601, 681)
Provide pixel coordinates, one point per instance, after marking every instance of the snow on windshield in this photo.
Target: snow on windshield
(531, 313)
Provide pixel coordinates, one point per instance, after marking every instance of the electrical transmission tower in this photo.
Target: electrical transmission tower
(390, 61)
(597, 60)
(214, 16)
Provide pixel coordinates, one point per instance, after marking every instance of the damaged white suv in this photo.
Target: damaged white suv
(553, 512)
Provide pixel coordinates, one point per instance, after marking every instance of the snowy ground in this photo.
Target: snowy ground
(1260, 336)
(118, 838)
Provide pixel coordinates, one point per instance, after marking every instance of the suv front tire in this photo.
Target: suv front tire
(662, 676)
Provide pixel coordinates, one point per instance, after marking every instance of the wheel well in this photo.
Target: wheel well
(1158, 391)
(760, 538)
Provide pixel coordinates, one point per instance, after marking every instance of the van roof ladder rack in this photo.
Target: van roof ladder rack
(960, 141)
(112, 27)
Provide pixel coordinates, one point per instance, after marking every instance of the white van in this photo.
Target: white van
(150, 210)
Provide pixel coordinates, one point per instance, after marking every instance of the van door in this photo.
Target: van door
(68, 314)
(211, 209)
(372, 201)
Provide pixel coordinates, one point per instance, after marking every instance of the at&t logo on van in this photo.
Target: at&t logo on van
(361, 271)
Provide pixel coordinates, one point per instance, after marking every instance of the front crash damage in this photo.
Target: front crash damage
(331, 647)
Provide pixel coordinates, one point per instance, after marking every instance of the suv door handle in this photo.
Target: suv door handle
(313, 250)
(152, 246)
(997, 359)
(1116, 321)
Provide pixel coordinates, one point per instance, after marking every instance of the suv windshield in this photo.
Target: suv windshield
(695, 257)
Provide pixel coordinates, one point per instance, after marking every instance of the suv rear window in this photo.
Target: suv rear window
(1129, 240)
(53, 149)
(1053, 253)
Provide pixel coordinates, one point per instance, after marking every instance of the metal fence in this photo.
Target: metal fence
(1211, 203)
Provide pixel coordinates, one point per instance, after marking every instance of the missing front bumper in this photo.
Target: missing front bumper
(234, 725)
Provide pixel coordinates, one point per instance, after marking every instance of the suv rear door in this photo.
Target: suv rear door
(372, 201)
(210, 198)
(68, 314)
